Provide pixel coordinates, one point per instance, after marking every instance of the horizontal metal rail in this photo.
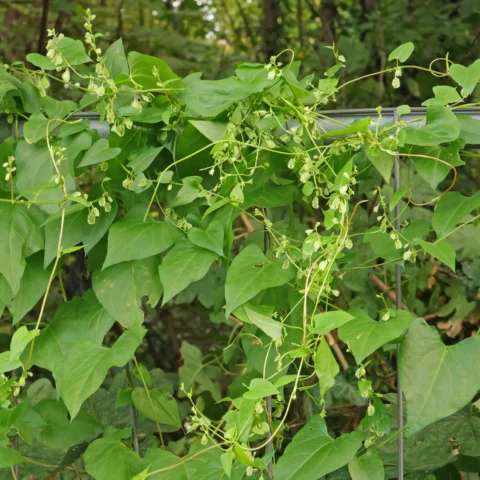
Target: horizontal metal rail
(329, 120)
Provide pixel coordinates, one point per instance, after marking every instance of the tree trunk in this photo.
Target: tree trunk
(270, 17)
(42, 38)
(300, 22)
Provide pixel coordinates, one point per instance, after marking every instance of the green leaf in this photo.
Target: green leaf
(134, 239)
(190, 191)
(437, 379)
(326, 367)
(41, 61)
(441, 250)
(434, 445)
(327, 321)
(141, 72)
(35, 128)
(209, 239)
(469, 129)
(441, 126)
(159, 459)
(271, 327)
(396, 197)
(99, 152)
(382, 161)
(6, 364)
(58, 431)
(56, 109)
(21, 338)
(115, 59)
(357, 126)
(364, 335)
(156, 405)
(194, 374)
(20, 236)
(214, 131)
(250, 273)
(434, 163)
(466, 77)
(208, 98)
(260, 388)
(381, 244)
(313, 453)
(73, 51)
(76, 230)
(134, 279)
(31, 176)
(270, 196)
(443, 96)
(402, 52)
(140, 160)
(109, 459)
(10, 457)
(30, 97)
(451, 209)
(367, 467)
(204, 463)
(72, 128)
(86, 365)
(32, 287)
(242, 456)
(184, 264)
(82, 318)
(403, 110)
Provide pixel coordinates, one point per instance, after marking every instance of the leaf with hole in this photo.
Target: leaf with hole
(135, 279)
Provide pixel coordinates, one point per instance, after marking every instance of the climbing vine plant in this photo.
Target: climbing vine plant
(241, 201)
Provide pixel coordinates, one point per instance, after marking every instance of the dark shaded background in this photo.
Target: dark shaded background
(213, 35)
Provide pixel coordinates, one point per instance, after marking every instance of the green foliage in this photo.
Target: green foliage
(219, 213)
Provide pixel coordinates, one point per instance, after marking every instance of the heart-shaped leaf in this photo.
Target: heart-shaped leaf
(441, 250)
(210, 239)
(255, 315)
(326, 367)
(156, 405)
(441, 126)
(313, 453)
(443, 96)
(402, 52)
(364, 335)
(466, 77)
(327, 321)
(260, 388)
(367, 467)
(184, 264)
(99, 152)
(250, 273)
(451, 209)
(437, 379)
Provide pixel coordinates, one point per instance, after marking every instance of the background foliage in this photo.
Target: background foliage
(212, 36)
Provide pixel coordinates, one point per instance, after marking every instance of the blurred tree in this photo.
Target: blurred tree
(212, 36)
